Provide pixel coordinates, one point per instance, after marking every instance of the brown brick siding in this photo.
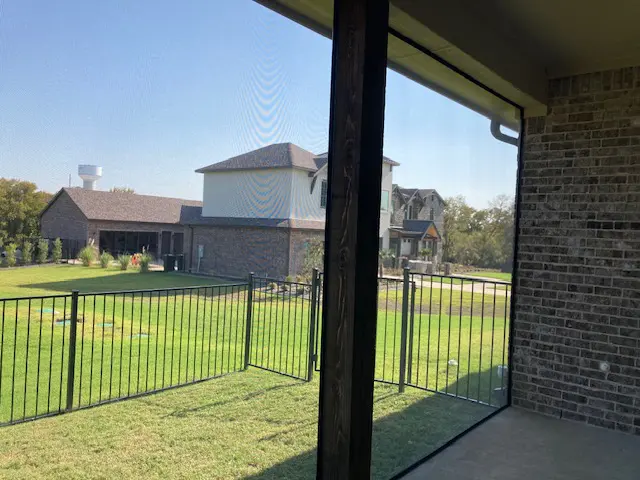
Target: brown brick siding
(237, 251)
(577, 302)
(63, 219)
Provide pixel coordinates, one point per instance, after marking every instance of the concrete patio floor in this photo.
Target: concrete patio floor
(517, 444)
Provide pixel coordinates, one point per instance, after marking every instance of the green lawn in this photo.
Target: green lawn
(254, 424)
(137, 342)
(505, 277)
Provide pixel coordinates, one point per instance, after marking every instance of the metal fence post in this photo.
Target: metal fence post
(411, 325)
(72, 349)
(403, 331)
(312, 323)
(247, 336)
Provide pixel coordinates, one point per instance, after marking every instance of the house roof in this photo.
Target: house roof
(278, 155)
(323, 157)
(130, 207)
(417, 228)
(408, 193)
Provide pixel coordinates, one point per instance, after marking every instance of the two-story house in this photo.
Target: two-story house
(261, 210)
(417, 222)
(259, 213)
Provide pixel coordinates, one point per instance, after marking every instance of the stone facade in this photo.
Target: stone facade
(576, 336)
(63, 219)
(235, 251)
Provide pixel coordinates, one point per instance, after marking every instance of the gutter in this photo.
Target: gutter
(502, 137)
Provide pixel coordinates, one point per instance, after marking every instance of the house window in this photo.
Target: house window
(431, 214)
(384, 201)
(324, 188)
(410, 212)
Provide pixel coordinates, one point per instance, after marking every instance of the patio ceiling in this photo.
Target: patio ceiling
(511, 46)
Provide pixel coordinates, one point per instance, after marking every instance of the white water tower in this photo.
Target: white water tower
(89, 174)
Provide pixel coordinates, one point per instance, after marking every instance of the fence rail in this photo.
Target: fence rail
(62, 353)
(58, 353)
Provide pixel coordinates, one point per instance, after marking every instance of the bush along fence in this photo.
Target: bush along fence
(65, 352)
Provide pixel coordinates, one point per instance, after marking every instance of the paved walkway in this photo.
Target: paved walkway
(517, 444)
(476, 287)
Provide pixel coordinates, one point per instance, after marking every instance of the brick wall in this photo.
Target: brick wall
(63, 219)
(237, 251)
(577, 333)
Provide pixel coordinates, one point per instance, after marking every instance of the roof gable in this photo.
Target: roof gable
(279, 155)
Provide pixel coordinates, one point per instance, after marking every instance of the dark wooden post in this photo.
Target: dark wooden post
(351, 238)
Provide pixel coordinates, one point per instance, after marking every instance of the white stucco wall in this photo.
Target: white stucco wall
(276, 193)
(248, 194)
(385, 216)
(306, 204)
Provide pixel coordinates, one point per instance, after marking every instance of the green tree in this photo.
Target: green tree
(11, 254)
(43, 250)
(479, 237)
(27, 252)
(313, 258)
(20, 207)
(56, 251)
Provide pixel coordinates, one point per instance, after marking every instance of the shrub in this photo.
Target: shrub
(284, 287)
(289, 279)
(10, 249)
(124, 261)
(87, 256)
(27, 252)
(56, 251)
(105, 259)
(272, 286)
(145, 262)
(43, 250)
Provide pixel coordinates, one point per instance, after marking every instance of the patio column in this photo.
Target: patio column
(351, 255)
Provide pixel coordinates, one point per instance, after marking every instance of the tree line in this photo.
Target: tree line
(20, 207)
(479, 237)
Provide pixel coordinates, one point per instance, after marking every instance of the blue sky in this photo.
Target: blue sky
(153, 90)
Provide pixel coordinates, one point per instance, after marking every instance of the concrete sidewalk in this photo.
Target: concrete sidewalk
(517, 444)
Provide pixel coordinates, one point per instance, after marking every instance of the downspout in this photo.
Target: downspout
(502, 137)
(190, 248)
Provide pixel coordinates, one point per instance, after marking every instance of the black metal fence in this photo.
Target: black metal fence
(282, 326)
(65, 352)
(442, 334)
(58, 353)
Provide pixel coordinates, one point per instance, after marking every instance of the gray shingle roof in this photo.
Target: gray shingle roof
(131, 207)
(279, 155)
(321, 160)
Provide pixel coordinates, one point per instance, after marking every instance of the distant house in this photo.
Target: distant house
(417, 222)
(259, 213)
(118, 222)
(261, 210)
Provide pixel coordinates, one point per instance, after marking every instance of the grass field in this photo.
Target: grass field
(130, 343)
(503, 276)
